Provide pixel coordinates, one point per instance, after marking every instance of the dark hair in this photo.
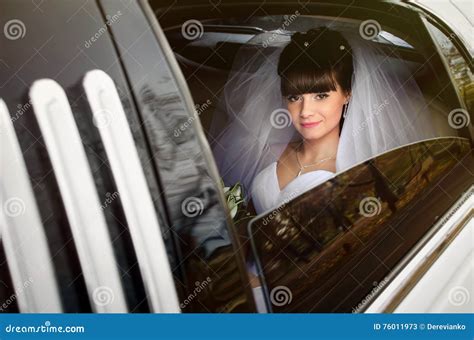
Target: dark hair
(315, 62)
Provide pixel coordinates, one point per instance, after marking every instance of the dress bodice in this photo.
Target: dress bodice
(266, 193)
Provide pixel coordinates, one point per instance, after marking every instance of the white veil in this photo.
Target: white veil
(252, 127)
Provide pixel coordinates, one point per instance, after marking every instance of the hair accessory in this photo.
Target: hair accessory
(342, 47)
(306, 44)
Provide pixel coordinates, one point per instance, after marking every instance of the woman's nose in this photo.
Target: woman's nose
(308, 108)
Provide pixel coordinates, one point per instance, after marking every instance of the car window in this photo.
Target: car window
(208, 50)
(207, 58)
(329, 248)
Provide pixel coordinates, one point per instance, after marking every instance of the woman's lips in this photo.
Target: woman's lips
(310, 125)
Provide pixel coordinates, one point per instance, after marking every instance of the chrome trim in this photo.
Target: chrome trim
(447, 272)
(21, 230)
(78, 191)
(433, 244)
(133, 191)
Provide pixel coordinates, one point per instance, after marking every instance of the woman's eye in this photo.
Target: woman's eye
(321, 96)
(292, 98)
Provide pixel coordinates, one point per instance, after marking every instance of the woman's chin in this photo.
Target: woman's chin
(318, 132)
(312, 135)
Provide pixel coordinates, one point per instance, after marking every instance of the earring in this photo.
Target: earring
(344, 110)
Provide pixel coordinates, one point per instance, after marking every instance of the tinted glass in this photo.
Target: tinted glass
(206, 55)
(327, 249)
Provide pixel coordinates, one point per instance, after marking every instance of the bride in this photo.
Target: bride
(316, 87)
(298, 109)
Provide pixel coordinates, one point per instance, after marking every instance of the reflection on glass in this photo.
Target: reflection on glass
(462, 75)
(330, 245)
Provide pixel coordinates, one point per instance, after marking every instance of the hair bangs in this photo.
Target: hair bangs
(316, 80)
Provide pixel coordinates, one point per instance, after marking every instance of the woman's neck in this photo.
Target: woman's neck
(314, 150)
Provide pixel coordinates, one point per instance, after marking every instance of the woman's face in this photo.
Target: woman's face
(314, 115)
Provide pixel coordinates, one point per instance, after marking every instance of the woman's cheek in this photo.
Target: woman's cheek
(294, 113)
(336, 110)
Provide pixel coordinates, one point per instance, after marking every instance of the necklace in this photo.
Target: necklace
(302, 167)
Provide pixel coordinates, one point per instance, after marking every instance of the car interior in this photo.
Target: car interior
(206, 62)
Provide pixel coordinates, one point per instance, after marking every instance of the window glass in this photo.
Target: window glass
(208, 52)
(332, 246)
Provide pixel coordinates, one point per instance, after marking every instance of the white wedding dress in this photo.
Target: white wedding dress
(266, 192)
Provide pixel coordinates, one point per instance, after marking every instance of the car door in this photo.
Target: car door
(59, 51)
(79, 225)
